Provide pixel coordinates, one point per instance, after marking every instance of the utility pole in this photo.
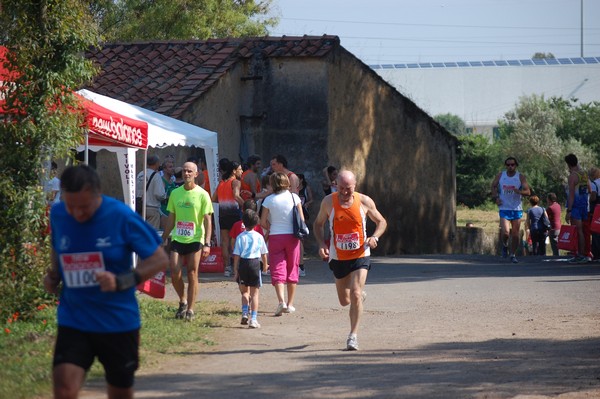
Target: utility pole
(581, 28)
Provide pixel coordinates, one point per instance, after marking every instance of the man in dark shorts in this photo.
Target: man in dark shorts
(98, 314)
(190, 210)
(350, 249)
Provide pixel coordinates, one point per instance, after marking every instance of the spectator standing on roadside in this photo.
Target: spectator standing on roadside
(349, 251)
(280, 164)
(52, 187)
(330, 174)
(250, 181)
(284, 246)
(578, 188)
(93, 239)
(227, 195)
(155, 190)
(553, 210)
(178, 173)
(594, 202)
(168, 179)
(535, 216)
(249, 251)
(508, 188)
(306, 197)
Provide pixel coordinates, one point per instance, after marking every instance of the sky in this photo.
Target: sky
(404, 31)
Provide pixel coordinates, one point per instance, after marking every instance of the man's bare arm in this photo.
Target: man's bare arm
(525, 189)
(319, 224)
(374, 214)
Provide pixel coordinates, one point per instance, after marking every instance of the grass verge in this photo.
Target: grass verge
(486, 219)
(26, 346)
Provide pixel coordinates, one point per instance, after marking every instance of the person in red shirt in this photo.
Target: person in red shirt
(553, 210)
(238, 227)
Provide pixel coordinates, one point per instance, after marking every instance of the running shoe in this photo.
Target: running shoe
(267, 273)
(181, 311)
(244, 319)
(583, 260)
(253, 324)
(289, 309)
(302, 272)
(189, 315)
(513, 259)
(228, 271)
(352, 343)
(280, 309)
(504, 251)
(578, 260)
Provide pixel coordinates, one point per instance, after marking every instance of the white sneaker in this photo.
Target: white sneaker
(352, 343)
(302, 272)
(253, 324)
(228, 271)
(289, 309)
(282, 307)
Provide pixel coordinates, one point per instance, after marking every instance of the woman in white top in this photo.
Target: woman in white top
(284, 247)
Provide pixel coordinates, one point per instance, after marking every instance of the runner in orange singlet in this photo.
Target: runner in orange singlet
(227, 195)
(350, 248)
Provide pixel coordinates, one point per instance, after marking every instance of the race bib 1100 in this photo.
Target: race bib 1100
(80, 269)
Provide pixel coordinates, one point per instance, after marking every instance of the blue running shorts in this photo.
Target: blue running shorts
(511, 215)
(579, 213)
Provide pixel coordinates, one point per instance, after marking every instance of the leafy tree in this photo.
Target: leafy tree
(579, 121)
(452, 123)
(46, 41)
(475, 169)
(538, 56)
(132, 20)
(529, 132)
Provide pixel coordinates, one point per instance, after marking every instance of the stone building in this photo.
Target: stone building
(310, 100)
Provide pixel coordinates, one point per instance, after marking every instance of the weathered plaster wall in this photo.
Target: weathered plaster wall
(401, 157)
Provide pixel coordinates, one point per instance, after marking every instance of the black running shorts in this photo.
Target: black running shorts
(342, 268)
(117, 352)
(249, 272)
(185, 249)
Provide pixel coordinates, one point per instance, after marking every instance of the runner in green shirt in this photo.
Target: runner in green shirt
(190, 210)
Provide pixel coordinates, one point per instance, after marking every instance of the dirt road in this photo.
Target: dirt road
(434, 327)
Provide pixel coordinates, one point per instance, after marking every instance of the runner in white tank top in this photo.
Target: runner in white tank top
(507, 190)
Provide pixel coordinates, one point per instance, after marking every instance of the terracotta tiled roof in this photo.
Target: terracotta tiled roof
(167, 77)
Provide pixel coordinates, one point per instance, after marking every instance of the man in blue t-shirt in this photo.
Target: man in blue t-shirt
(93, 240)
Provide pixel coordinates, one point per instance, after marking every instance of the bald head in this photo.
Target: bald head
(346, 177)
(191, 166)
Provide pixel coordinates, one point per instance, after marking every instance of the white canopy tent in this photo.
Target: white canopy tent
(163, 131)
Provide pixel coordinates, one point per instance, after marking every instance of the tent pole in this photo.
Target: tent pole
(86, 159)
(144, 186)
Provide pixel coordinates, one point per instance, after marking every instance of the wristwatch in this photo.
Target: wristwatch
(206, 244)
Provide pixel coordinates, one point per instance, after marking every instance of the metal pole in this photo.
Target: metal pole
(581, 28)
